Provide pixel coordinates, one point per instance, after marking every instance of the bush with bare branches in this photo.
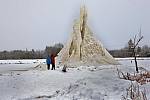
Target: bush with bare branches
(142, 77)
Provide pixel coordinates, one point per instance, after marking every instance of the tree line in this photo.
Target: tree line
(31, 54)
(127, 51)
(143, 51)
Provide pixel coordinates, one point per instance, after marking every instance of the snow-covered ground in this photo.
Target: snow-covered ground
(22, 61)
(29, 80)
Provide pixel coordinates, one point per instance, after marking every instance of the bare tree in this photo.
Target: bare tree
(135, 45)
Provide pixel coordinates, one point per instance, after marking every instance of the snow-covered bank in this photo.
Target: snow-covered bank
(76, 83)
(82, 83)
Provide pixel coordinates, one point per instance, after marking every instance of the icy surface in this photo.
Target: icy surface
(82, 83)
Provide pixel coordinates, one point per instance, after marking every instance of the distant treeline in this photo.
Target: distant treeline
(143, 51)
(124, 52)
(31, 54)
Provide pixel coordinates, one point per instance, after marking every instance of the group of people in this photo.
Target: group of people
(50, 60)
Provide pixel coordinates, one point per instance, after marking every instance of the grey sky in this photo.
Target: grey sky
(37, 23)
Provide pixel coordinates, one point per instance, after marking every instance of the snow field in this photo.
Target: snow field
(82, 83)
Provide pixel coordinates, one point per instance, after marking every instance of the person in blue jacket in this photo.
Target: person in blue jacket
(48, 61)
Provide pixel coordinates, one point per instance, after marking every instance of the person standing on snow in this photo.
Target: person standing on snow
(53, 61)
(48, 61)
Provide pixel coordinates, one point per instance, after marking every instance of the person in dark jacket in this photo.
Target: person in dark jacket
(48, 61)
(53, 61)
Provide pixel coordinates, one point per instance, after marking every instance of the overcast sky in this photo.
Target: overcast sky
(37, 23)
